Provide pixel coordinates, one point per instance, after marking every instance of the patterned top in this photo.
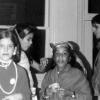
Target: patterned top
(8, 81)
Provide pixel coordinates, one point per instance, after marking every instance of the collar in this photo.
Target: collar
(65, 69)
(5, 64)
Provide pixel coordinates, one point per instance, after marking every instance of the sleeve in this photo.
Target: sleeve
(82, 88)
(79, 86)
(24, 62)
(44, 85)
(25, 86)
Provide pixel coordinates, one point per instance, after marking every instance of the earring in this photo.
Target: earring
(14, 53)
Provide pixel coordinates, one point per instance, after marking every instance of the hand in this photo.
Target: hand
(33, 89)
(43, 63)
(61, 92)
(17, 96)
(54, 87)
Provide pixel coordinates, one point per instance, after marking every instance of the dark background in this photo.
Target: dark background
(37, 49)
(94, 6)
(22, 11)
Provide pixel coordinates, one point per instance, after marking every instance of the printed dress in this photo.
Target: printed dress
(14, 80)
(72, 79)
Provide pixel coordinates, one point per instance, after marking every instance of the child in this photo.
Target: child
(14, 83)
(64, 82)
(25, 35)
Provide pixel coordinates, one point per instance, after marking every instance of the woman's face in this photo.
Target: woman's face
(61, 57)
(26, 42)
(7, 49)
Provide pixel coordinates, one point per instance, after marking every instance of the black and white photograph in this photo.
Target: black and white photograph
(49, 49)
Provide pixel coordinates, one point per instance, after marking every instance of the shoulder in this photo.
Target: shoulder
(21, 70)
(24, 62)
(75, 72)
(23, 56)
(49, 73)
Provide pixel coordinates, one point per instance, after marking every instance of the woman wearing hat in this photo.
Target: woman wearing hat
(64, 82)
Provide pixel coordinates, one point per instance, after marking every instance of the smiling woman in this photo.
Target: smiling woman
(64, 82)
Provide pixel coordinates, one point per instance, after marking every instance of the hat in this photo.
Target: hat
(54, 46)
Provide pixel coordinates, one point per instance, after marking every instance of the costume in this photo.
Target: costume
(96, 76)
(14, 80)
(72, 79)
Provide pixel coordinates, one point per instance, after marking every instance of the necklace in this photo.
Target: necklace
(5, 64)
(12, 81)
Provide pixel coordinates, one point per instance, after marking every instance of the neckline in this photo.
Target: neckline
(66, 68)
(12, 81)
(5, 64)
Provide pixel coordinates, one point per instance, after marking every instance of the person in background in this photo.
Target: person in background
(14, 82)
(96, 74)
(64, 82)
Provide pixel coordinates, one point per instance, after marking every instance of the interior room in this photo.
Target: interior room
(56, 20)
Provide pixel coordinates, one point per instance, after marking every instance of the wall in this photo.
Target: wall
(63, 20)
(69, 20)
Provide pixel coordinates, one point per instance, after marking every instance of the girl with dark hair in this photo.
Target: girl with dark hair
(25, 33)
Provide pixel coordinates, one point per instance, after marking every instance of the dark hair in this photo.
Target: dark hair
(14, 38)
(96, 19)
(20, 29)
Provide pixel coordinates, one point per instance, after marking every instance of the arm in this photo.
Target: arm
(35, 65)
(16, 96)
(25, 86)
(42, 66)
(77, 85)
(81, 87)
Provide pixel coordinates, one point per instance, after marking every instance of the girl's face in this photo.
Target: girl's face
(7, 49)
(96, 30)
(61, 57)
(26, 42)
